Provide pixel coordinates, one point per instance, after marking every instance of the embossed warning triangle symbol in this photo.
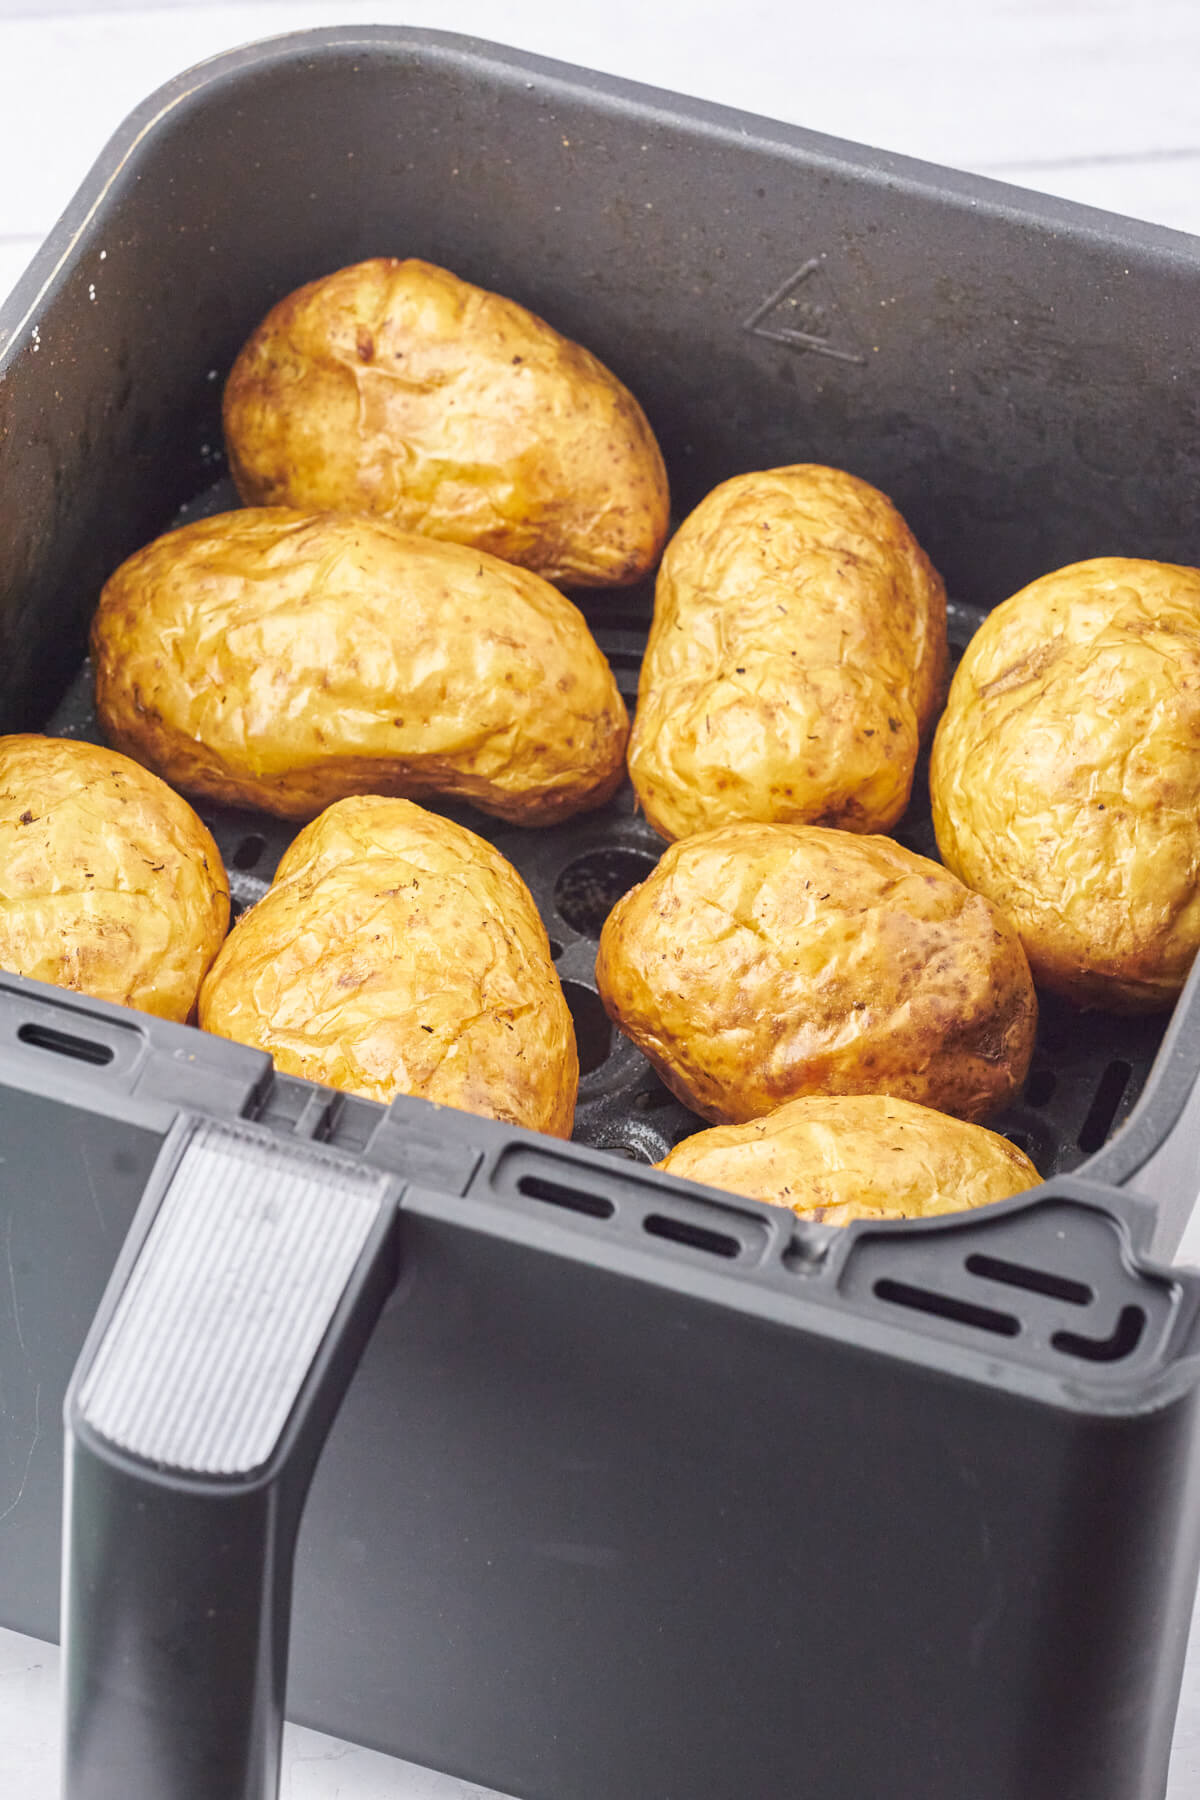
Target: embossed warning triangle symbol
(803, 314)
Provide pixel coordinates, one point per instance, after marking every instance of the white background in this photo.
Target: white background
(1096, 100)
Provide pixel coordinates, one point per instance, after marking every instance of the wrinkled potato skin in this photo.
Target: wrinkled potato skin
(1065, 777)
(397, 389)
(833, 1159)
(398, 953)
(109, 883)
(760, 962)
(284, 660)
(796, 659)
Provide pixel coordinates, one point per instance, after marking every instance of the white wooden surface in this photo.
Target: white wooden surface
(1091, 99)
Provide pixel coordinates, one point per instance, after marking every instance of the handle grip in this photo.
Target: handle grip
(248, 1288)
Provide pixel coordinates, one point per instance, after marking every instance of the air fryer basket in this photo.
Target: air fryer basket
(1012, 371)
(639, 1490)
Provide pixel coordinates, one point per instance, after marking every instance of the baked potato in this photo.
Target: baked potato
(796, 659)
(109, 883)
(1066, 777)
(760, 962)
(834, 1158)
(283, 660)
(395, 388)
(397, 953)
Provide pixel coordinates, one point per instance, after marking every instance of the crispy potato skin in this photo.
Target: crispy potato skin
(1066, 777)
(284, 660)
(761, 962)
(397, 389)
(796, 659)
(109, 883)
(398, 953)
(864, 1156)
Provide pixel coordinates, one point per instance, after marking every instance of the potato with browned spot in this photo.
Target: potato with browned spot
(1065, 777)
(109, 883)
(796, 659)
(397, 389)
(283, 660)
(760, 962)
(398, 953)
(833, 1158)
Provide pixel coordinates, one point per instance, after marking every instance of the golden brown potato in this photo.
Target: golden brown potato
(796, 659)
(396, 389)
(109, 883)
(398, 953)
(1066, 777)
(760, 962)
(283, 660)
(834, 1158)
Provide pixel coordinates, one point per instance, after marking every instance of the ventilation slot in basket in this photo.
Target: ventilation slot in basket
(946, 1306)
(1126, 1337)
(578, 1200)
(593, 1028)
(1108, 1096)
(589, 887)
(696, 1237)
(64, 1043)
(1033, 1281)
(249, 851)
(1039, 1088)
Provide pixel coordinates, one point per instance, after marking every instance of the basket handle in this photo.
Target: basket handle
(245, 1294)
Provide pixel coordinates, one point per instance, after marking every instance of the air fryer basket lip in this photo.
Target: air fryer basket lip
(1176, 1069)
(812, 1279)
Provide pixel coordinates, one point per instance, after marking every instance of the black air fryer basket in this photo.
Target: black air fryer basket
(637, 1490)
